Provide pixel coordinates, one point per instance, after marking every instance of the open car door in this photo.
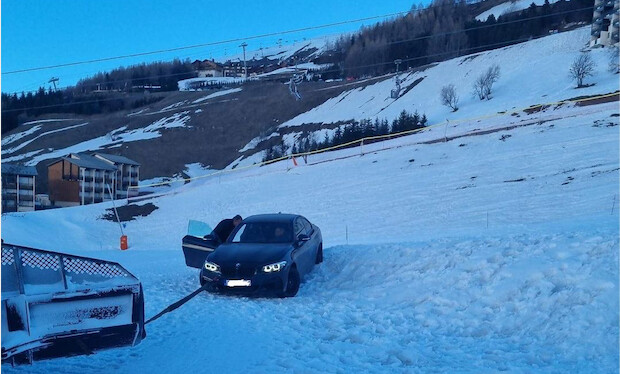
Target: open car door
(59, 305)
(195, 247)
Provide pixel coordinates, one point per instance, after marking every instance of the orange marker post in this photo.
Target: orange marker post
(124, 242)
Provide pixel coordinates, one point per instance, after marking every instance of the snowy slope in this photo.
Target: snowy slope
(509, 7)
(535, 72)
(531, 73)
(115, 137)
(486, 253)
(281, 50)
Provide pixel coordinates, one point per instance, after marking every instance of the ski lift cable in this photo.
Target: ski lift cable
(234, 40)
(274, 79)
(377, 137)
(397, 42)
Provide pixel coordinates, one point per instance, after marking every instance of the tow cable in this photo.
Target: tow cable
(177, 304)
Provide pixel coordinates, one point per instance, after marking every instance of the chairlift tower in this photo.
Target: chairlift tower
(53, 81)
(396, 90)
(245, 67)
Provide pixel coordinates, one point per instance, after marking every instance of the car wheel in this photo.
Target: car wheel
(319, 254)
(292, 283)
(202, 281)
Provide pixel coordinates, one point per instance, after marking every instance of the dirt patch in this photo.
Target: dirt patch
(536, 108)
(130, 212)
(587, 100)
(415, 83)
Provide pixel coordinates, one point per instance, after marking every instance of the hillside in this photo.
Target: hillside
(489, 252)
(209, 128)
(219, 129)
(487, 242)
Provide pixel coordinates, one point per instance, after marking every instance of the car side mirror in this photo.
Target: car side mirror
(302, 238)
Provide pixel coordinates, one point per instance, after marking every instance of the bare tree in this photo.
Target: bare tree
(483, 85)
(490, 77)
(449, 97)
(479, 87)
(582, 67)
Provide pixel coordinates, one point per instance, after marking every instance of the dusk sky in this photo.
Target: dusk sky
(43, 33)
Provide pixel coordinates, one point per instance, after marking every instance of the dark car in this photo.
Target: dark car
(265, 253)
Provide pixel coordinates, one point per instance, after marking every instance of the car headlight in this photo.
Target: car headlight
(274, 267)
(210, 266)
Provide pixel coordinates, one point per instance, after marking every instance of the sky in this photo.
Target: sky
(43, 33)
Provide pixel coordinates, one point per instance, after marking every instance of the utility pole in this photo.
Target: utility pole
(245, 67)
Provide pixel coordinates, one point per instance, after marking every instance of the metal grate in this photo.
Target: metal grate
(7, 256)
(82, 266)
(40, 261)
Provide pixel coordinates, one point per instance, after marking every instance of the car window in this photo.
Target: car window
(307, 226)
(299, 227)
(263, 232)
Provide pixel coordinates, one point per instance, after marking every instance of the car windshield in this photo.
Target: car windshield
(264, 232)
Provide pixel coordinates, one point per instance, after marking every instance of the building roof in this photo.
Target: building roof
(116, 159)
(15, 169)
(87, 161)
(206, 65)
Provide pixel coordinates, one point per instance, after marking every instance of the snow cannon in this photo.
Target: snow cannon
(59, 305)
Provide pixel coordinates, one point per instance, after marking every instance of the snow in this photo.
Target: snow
(519, 85)
(286, 49)
(120, 135)
(292, 69)
(21, 156)
(173, 106)
(473, 255)
(47, 120)
(196, 169)
(23, 144)
(17, 136)
(183, 84)
(217, 94)
(509, 7)
(256, 141)
(494, 250)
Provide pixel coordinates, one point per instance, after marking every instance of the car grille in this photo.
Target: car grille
(244, 271)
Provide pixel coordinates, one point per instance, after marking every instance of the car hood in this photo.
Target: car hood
(249, 253)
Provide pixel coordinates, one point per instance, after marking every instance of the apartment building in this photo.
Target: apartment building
(18, 183)
(127, 176)
(82, 178)
(605, 23)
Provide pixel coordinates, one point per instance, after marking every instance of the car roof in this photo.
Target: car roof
(275, 217)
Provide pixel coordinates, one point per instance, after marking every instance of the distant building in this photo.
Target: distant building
(81, 178)
(605, 23)
(234, 70)
(128, 173)
(208, 68)
(18, 188)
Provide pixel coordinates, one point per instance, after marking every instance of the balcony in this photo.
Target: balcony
(9, 186)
